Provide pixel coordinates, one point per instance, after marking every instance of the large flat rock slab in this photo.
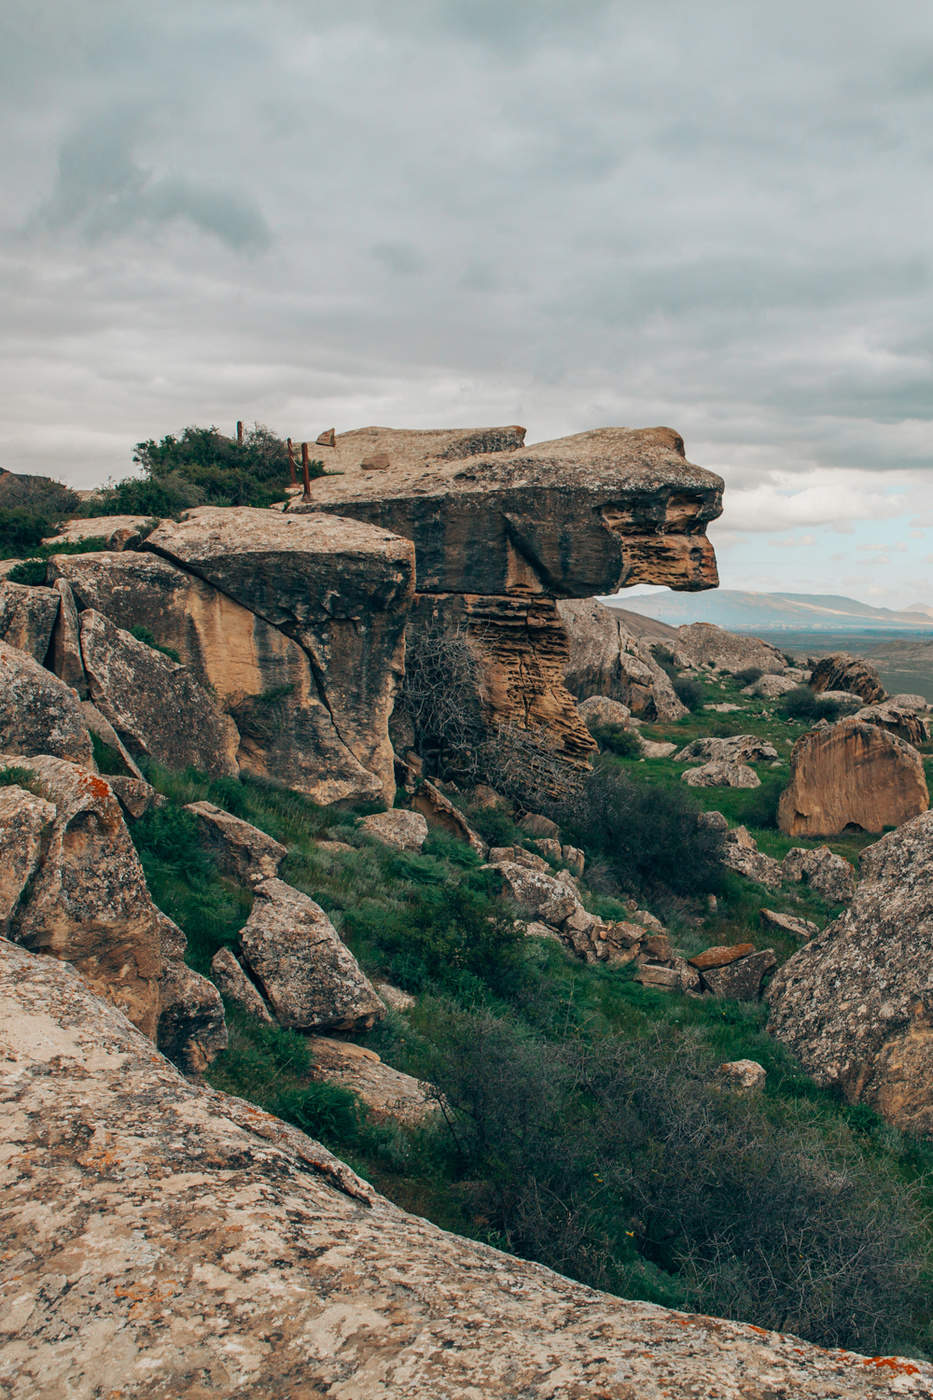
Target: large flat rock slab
(851, 775)
(164, 1241)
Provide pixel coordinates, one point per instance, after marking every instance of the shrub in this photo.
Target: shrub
(21, 531)
(618, 740)
(804, 704)
(648, 837)
(142, 634)
(689, 692)
(749, 675)
(440, 698)
(31, 571)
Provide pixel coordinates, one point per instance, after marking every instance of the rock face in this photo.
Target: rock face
(308, 977)
(390, 1094)
(905, 723)
(163, 1240)
(844, 672)
(27, 617)
(725, 651)
(501, 531)
(607, 660)
(239, 848)
(738, 748)
(856, 1004)
(830, 875)
(38, 714)
(116, 531)
(337, 588)
(153, 703)
(438, 810)
(851, 774)
(722, 772)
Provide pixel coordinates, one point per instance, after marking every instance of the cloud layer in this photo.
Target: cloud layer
(618, 212)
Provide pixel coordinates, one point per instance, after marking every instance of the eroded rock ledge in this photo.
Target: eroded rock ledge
(502, 530)
(165, 1241)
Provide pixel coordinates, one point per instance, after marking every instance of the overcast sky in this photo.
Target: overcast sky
(432, 213)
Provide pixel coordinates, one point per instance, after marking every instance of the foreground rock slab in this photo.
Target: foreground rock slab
(856, 1003)
(851, 774)
(166, 1242)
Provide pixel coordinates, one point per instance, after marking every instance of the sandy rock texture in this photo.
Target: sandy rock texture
(117, 531)
(607, 660)
(840, 671)
(502, 530)
(38, 713)
(708, 645)
(851, 774)
(27, 617)
(166, 1242)
(856, 1004)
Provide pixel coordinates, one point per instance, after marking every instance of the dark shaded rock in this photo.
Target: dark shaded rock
(740, 980)
(239, 848)
(234, 985)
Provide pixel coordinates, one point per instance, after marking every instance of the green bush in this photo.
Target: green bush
(647, 837)
(749, 675)
(689, 692)
(32, 572)
(805, 704)
(143, 634)
(616, 739)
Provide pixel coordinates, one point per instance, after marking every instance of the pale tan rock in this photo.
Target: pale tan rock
(852, 774)
(438, 809)
(400, 829)
(326, 439)
(38, 713)
(234, 985)
(66, 659)
(151, 1225)
(153, 703)
(854, 1004)
(650, 748)
(744, 1075)
(395, 997)
(722, 772)
(740, 853)
(25, 828)
(341, 589)
(830, 875)
(135, 795)
(608, 662)
(575, 859)
(27, 618)
(534, 824)
(721, 956)
(772, 687)
(239, 848)
(600, 709)
(738, 748)
(546, 846)
(308, 977)
(731, 652)
(789, 923)
(501, 855)
(841, 671)
(389, 1094)
(116, 531)
(259, 676)
(905, 723)
(536, 894)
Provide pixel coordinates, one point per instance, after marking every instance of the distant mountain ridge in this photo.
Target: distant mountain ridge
(748, 612)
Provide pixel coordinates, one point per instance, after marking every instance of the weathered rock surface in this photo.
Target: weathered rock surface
(738, 748)
(390, 1094)
(856, 1004)
(745, 1075)
(830, 875)
(722, 772)
(721, 956)
(27, 617)
(438, 810)
(500, 531)
(607, 660)
(66, 659)
(135, 795)
(709, 645)
(844, 672)
(162, 1239)
(771, 687)
(154, 704)
(740, 980)
(600, 709)
(38, 713)
(789, 923)
(100, 726)
(233, 984)
(340, 589)
(905, 723)
(239, 848)
(25, 823)
(191, 1030)
(116, 531)
(308, 977)
(403, 831)
(740, 851)
(851, 775)
(916, 704)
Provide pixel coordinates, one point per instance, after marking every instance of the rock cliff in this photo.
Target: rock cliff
(163, 1241)
(856, 1004)
(502, 530)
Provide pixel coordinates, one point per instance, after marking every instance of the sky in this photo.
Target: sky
(427, 214)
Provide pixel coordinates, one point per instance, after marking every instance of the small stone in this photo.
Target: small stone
(744, 1075)
(721, 956)
(402, 830)
(534, 824)
(135, 795)
(240, 849)
(394, 996)
(722, 773)
(789, 923)
(740, 980)
(326, 439)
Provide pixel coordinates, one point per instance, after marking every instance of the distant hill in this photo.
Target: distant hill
(774, 612)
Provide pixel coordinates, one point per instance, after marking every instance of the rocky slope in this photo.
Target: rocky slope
(203, 1248)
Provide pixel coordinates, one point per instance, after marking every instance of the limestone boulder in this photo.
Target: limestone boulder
(905, 723)
(26, 821)
(65, 658)
(114, 531)
(537, 895)
(741, 979)
(829, 874)
(161, 1239)
(600, 709)
(135, 795)
(99, 726)
(789, 924)
(191, 1030)
(27, 617)
(234, 985)
(402, 830)
(916, 704)
(744, 1075)
(730, 652)
(389, 1094)
(737, 748)
(606, 660)
(722, 772)
(239, 848)
(721, 956)
(841, 671)
(260, 676)
(340, 589)
(307, 976)
(772, 687)
(438, 810)
(856, 1003)
(38, 713)
(851, 775)
(155, 705)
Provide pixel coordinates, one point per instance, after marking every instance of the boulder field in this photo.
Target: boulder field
(165, 1240)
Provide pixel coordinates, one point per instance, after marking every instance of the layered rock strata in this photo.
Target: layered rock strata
(165, 1240)
(502, 530)
(856, 1004)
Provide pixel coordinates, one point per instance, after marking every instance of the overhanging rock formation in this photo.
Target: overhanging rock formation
(162, 1240)
(502, 530)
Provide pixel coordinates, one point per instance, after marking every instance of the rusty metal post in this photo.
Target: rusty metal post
(239, 432)
(291, 463)
(304, 472)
